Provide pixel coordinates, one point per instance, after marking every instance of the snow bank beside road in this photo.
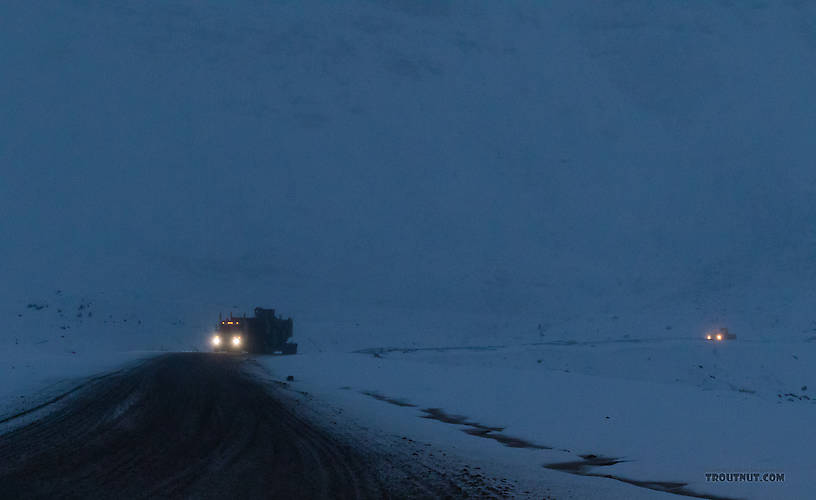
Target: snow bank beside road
(53, 342)
(30, 381)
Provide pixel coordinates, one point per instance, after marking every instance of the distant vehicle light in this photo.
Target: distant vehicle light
(229, 322)
(236, 341)
(720, 335)
(216, 340)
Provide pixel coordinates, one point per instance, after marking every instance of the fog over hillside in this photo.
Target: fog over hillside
(411, 161)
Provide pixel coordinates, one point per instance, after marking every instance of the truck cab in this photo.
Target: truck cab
(229, 335)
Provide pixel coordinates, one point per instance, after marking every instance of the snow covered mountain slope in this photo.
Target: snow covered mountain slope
(416, 161)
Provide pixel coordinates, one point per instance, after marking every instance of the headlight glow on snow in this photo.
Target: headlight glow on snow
(236, 340)
(216, 340)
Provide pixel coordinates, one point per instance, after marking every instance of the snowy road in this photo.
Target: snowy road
(186, 425)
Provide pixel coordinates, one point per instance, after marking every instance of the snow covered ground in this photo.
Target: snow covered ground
(643, 390)
(56, 341)
(34, 383)
(669, 411)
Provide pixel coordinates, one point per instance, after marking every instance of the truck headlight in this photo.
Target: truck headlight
(236, 341)
(216, 340)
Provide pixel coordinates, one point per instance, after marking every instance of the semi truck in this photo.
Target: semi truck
(264, 333)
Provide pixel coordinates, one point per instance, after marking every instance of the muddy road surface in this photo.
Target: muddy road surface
(184, 426)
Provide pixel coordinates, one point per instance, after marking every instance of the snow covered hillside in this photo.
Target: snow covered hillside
(414, 161)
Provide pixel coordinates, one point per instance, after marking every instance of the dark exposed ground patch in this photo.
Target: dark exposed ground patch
(583, 468)
(790, 396)
(393, 401)
(480, 430)
(440, 415)
(512, 442)
(378, 351)
(473, 428)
